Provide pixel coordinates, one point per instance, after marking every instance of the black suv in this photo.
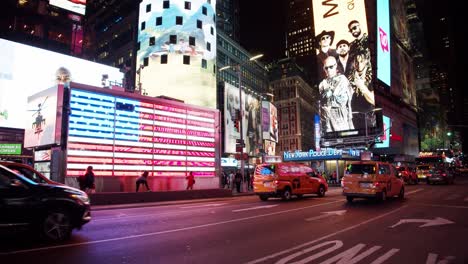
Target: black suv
(51, 210)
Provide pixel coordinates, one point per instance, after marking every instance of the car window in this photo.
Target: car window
(266, 169)
(384, 169)
(361, 168)
(28, 174)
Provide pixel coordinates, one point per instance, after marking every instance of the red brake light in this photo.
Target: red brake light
(276, 182)
(443, 174)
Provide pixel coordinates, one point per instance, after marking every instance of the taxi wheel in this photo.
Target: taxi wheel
(349, 199)
(383, 196)
(401, 195)
(321, 191)
(287, 194)
(263, 197)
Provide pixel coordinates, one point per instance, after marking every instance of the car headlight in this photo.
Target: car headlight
(82, 197)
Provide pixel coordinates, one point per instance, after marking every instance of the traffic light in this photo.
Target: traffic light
(236, 125)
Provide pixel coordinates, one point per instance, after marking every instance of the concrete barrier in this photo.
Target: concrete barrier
(111, 198)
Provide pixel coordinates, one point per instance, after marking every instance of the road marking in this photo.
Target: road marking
(443, 205)
(323, 237)
(385, 256)
(452, 197)
(202, 205)
(427, 222)
(255, 208)
(169, 231)
(414, 191)
(326, 214)
(432, 259)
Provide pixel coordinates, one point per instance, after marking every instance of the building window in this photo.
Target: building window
(203, 64)
(186, 59)
(173, 39)
(178, 20)
(165, 4)
(158, 21)
(152, 41)
(199, 24)
(188, 5)
(191, 41)
(143, 25)
(212, 31)
(208, 46)
(148, 8)
(145, 61)
(204, 10)
(164, 59)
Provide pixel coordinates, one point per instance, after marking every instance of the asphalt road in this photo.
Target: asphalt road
(429, 226)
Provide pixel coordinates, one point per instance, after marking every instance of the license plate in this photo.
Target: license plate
(365, 184)
(267, 184)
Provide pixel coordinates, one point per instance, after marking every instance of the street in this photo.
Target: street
(429, 226)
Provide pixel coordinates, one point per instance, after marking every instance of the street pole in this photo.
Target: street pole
(365, 123)
(241, 113)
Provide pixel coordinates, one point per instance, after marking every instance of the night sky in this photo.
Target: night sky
(262, 26)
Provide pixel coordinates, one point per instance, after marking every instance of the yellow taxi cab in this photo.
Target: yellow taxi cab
(286, 179)
(423, 171)
(371, 179)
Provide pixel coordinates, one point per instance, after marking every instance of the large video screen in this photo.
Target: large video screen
(123, 137)
(385, 138)
(269, 121)
(77, 6)
(404, 76)
(26, 70)
(383, 42)
(251, 121)
(344, 67)
(177, 50)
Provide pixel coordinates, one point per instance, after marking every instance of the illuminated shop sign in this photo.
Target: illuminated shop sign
(26, 70)
(228, 162)
(123, 137)
(323, 154)
(176, 54)
(10, 149)
(344, 64)
(383, 42)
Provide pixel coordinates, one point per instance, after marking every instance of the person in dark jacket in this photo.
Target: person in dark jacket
(143, 180)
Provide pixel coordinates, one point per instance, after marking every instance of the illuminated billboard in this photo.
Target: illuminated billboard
(251, 125)
(177, 50)
(10, 149)
(26, 70)
(122, 136)
(269, 121)
(383, 42)
(44, 123)
(385, 138)
(77, 6)
(344, 67)
(404, 71)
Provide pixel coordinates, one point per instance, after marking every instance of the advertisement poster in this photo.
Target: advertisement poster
(383, 42)
(344, 66)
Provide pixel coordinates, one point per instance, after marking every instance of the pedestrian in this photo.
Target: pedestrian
(190, 181)
(334, 177)
(87, 181)
(143, 180)
(238, 180)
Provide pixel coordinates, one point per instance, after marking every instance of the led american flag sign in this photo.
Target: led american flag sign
(123, 137)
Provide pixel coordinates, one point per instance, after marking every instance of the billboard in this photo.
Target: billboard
(269, 121)
(383, 42)
(44, 118)
(77, 6)
(177, 50)
(405, 76)
(251, 123)
(122, 136)
(344, 67)
(385, 138)
(26, 70)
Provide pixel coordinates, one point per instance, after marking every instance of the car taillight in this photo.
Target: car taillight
(276, 182)
(377, 184)
(443, 174)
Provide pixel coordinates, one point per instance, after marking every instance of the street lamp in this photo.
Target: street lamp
(237, 68)
(365, 117)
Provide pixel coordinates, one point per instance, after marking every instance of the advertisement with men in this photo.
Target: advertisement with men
(345, 68)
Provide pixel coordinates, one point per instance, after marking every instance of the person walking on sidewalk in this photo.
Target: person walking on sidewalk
(238, 180)
(143, 180)
(86, 181)
(190, 181)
